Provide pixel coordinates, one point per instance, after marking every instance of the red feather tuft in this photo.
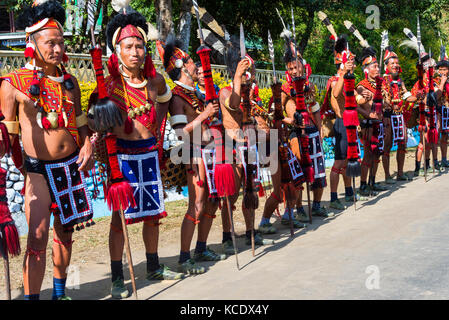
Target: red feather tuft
(45, 123)
(29, 51)
(149, 71)
(224, 179)
(309, 174)
(120, 195)
(113, 66)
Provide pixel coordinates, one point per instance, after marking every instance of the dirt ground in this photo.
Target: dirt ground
(91, 244)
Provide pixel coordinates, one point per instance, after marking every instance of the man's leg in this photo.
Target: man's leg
(197, 185)
(228, 246)
(388, 143)
(334, 179)
(202, 252)
(62, 252)
(443, 146)
(367, 166)
(116, 245)
(37, 210)
(271, 204)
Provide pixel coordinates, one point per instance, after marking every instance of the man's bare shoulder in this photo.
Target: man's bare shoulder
(158, 82)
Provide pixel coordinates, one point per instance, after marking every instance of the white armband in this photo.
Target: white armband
(178, 119)
(166, 96)
(406, 95)
(315, 107)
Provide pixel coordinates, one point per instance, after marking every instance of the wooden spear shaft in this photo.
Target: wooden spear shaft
(228, 202)
(7, 277)
(128, 251)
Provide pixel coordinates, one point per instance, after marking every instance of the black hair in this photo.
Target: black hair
(122, 20)
(289, 56)
(367, 52)
(341, 44)
(50, 9)
(442, 63)
(169, 50)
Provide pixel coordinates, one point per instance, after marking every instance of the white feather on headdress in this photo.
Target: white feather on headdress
(153, 34)
(119, 5)
(385, 42)
(414, 41)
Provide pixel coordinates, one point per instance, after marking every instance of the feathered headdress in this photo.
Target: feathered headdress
(42, 15)
(173, 57)
(129, 23)
(368, 58)
(443, 60)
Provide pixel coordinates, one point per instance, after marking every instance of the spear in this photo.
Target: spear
(224, 174)
(297, 66)
(250, 201)
(418, 35)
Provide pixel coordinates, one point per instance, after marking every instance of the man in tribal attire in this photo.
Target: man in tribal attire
(142, 96)
(421, 95)
(395, 99)
(43, 103)
(231, 109)
(443, 107)
(371, 134)
(313, 131)
(337, 102)
(190, 117)
(278, 195)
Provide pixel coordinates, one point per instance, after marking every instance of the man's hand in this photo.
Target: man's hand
(85, 157)
(367, 95)
(373, 115)
(420, 95)
(242, 67)
(443, 79)
(211, 109)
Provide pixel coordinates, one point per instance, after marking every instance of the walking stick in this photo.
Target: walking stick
(308, 202)
(231, 220)
(7, 277)
(128, 251)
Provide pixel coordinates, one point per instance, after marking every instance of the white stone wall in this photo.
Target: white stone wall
(14, 184)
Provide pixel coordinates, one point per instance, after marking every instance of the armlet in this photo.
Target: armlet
(315, 108)
(406, 95)
(178, 119)
(12, 126)
(166, 96)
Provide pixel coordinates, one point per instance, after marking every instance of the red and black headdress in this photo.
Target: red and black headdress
(42, 15)
(122, 26)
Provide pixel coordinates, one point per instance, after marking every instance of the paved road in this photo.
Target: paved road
(392, 247)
